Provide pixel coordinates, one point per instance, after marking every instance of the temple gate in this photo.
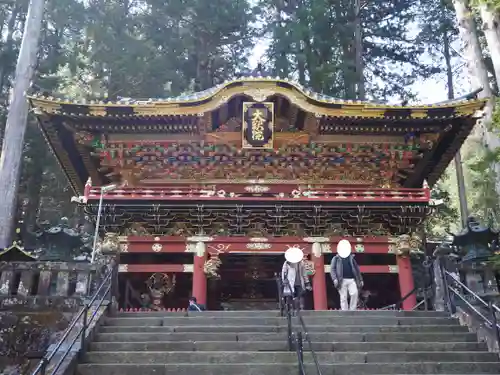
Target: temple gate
(241, 172)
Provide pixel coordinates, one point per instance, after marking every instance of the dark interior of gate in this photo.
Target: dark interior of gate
(247, 282)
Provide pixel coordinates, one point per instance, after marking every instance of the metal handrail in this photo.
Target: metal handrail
(285, 308)
(299, 346)
(81, 333)
(415, 290)
(492, 308)
(308, 339)
(279, 285)
(463, 286)
(299, 349)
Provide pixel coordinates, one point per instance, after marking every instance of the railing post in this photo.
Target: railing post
(494, 322)
(449, 302)
(280, 294)
(289, 322)
(113, 290)
(300, 349)
(84, 330)
(43, 367)
(425, 299)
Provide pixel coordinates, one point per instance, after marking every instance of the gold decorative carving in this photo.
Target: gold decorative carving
(188, 268)
(258, 239)
(180, 229)
(211, 267)
(131, 176)
(259, 95)
(200, 239)
(123, 268)
(136, 229)
(258, 125)
(160, 284)
(191, 247)
(316, 239)
(157, 247)
(219, 248)
(408, 244)
(326, 248)
(84, 138)
(258, 246)
(256, 189)
(110, 244)
(257, 231)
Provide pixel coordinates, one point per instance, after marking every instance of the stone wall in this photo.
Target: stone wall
(26, 335)
(37, 302)
(57, 285)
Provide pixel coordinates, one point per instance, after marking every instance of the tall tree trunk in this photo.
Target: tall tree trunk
(464, 212)
(472, 48)
(475, 65)
(478, 74)
(358, 47)
(490, 28)
(12, 149)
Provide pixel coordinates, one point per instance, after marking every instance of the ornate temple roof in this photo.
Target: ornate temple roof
(258, 89)
(166, 140)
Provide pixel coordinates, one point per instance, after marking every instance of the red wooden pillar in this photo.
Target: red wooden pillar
(406, 283)
(319, 282)
(199, 277)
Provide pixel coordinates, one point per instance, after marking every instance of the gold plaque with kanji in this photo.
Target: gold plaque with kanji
(258, 125)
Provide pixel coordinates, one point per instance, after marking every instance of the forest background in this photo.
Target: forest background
(351, 49)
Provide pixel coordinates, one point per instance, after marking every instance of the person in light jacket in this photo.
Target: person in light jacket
(294, 276)
(346, 276)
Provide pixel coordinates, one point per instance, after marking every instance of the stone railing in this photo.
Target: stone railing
(40, 285)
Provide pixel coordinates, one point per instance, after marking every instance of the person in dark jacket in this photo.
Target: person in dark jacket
(346, 276)
(194, 305)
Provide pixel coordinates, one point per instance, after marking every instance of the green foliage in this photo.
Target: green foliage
(446, 217)
(312, 40)
(155, 48)
(482, 189)
(493, 4)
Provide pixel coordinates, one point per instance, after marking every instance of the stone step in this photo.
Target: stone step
(455, 368)
(283, 346)
(276, 313)
(283, 328)
(256, 320)
(284, 357)
(321, 337)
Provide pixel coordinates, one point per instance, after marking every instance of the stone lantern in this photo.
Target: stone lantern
(475, 245)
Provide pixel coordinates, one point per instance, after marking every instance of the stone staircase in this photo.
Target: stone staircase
(255, 343)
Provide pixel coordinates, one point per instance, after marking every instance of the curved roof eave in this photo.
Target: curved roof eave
(259, 89)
